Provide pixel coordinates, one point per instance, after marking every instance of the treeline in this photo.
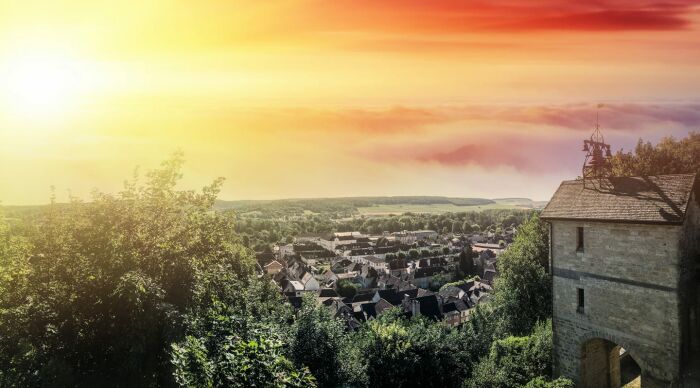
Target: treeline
(150, 288)
(286, 207)
(257, 231)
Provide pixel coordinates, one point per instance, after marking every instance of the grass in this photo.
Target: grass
(382, 210)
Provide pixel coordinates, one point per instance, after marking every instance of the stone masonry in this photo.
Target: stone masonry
(639, 281)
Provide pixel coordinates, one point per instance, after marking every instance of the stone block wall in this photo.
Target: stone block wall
(630, 277)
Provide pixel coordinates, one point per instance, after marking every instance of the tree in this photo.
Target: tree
(523, 290)
(542, 382)
(466, 261)
(466, 227)
(316, 339)
(346, 288)
(514, 361)
(437, 281)
(101, 289)
(392, 351)
(669, 156)
(236, 362)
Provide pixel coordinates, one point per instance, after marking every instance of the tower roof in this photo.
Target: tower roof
(661, 199)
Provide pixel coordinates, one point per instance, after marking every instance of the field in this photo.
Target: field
(383, 210)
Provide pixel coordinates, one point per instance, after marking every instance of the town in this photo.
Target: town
(359, 276)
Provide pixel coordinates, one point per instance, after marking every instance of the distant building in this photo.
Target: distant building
(273, 267)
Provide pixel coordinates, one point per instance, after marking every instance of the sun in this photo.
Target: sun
(42, 83)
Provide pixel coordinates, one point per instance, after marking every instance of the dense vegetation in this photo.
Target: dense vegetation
(135, 290)
(151, 288)
(669, 156)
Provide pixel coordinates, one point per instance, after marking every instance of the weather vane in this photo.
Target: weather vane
(597, 163)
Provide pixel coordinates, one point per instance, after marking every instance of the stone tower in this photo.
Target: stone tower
(624, 259)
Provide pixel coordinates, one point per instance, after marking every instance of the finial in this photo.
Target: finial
(597, 162)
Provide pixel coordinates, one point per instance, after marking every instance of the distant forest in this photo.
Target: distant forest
(344, 204)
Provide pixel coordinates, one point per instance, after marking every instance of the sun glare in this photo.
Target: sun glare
(44, 84)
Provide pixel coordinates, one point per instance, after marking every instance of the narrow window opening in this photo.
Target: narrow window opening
(579, 239)
(581, 300)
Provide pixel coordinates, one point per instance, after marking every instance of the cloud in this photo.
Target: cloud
(624, 117)
(535, 138)
(522, 153)
(460, 17)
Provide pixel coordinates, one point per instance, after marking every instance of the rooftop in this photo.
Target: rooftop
(661, 199)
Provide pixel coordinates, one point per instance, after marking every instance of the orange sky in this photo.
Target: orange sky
(336, 98)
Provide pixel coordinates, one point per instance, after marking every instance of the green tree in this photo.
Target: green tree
(316, 340)
(101, 289)
(514, 361)
(346, 288)
(543, 382)
(523, 289)
(392, 351)
(466, 261)
(669, 156)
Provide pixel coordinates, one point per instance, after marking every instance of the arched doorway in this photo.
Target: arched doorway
(606, 364)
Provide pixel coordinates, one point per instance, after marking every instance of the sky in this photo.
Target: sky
(310, 98)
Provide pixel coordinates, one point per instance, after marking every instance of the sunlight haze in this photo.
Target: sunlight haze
(315, 99)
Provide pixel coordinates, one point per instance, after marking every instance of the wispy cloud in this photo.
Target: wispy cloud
(459, 17)
(627, 117)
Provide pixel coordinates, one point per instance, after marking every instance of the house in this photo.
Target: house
(455, 312)
(325, 294)
(423, 277)
(379, 264)
(424, 234)
(273, 267)
(293, 287)
(625, 260)
(426, 305)
(329, 276)
(393, 296)
(345, 313)
(309, 282)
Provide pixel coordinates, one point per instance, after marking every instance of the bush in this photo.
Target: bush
(542, 382)
(514, 361)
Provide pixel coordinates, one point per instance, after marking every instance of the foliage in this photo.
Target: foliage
(669, 156)
(542, 382)
(466, 261)
(347, 288)
(438, 281)
(316, 341)
(523, 289)
(94, 293)
(514, 361)
(236, 352)
(393, 351)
